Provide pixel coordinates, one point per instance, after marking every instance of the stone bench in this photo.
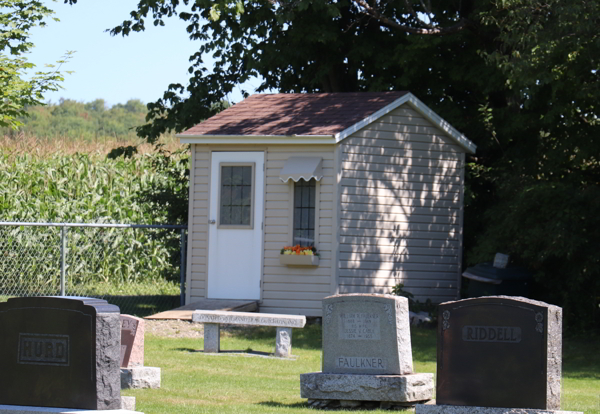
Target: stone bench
(284, 323)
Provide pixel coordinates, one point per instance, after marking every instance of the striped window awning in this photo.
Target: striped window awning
(306, 168)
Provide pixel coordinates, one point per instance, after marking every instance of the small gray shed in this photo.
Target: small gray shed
(374, 181)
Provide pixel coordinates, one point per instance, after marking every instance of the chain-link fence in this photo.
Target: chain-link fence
(140, 268)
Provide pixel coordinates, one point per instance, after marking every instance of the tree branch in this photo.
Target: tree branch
(416, 16)
(430, 30)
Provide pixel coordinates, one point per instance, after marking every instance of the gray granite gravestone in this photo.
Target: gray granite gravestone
(367, 353)
(60, 352)
(366, 334)
(497, 354)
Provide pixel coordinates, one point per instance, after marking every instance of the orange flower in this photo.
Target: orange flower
(297, 249)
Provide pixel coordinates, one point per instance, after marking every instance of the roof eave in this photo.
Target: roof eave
(256, 139)
(420, 107)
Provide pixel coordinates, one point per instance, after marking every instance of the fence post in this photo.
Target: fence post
(182, 269)
(63, 254)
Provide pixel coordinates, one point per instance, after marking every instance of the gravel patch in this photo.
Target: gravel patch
(174, 328)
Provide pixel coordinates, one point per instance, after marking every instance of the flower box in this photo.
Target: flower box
(298, 260)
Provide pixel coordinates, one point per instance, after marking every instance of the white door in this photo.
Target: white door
(235, 225)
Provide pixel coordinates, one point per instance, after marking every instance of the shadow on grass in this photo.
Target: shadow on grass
(363, 407)
(186, 350)
(275, 404)
(581, 358)
(424, 344)
(143, 305)
(308, 337)
(423, 339)
(137, 305)
(247, 351)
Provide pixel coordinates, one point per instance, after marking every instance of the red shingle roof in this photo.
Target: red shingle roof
(295, 114)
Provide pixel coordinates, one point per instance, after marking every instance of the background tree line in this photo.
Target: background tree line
(82, 121)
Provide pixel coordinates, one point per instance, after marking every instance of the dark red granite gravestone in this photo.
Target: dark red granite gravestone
(499, 351)
(132, 341)
(60, 352)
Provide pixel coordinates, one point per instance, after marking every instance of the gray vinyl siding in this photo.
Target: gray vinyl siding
(287, 289)
(400, 214)
(198, 236)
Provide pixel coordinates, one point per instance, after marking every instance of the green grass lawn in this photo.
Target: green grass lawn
(196, 383)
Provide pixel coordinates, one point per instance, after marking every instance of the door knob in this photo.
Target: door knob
(213, 221)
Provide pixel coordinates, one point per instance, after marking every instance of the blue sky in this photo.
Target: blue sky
(116, 69)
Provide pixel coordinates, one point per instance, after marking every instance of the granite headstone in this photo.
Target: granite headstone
(499, 352)
(133, 372)
(366, 334)
(132, 341)
(60, 352)
(367, 355)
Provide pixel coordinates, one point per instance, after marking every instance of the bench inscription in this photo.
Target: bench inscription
(245, 318)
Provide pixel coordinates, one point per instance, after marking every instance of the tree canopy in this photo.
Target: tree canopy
(518, 77)
(17, 91)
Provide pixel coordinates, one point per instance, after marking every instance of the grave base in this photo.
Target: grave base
(459, 409)
(140, 377)
(21, 409)
(388, 389)
(127, 403)
(364, 405)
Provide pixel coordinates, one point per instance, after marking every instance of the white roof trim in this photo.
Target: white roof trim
(296, 168)
(420, 107)
(256, 139)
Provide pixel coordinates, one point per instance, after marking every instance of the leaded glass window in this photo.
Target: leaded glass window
(236, 195)
(304, 212)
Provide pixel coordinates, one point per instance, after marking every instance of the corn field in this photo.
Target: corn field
(95, 261)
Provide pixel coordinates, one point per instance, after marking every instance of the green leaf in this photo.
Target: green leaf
(239, 8)
(215, 13)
